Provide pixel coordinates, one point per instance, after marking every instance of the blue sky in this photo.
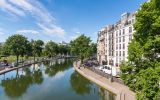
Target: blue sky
(59, 20)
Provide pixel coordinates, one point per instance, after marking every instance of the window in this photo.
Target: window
(123, 39)
(119, 32)
(116, 46)
(119, 59)
(123, 46)
(112, 47)
(119, 39)
(116, 53)
(116, 40)
(119, 53)
(116, 33)
(109, 53)
(123, 31)
(123, 53)
(112, 53)
(119, 46)
(129, 22)
(130, 29)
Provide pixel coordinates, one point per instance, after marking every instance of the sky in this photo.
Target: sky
(60, 20)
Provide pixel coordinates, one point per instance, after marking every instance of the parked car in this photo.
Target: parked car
(107, 69)
(100, 68)
(114, 71)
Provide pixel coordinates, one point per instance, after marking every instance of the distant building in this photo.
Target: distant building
(113, 40)
(63, 43)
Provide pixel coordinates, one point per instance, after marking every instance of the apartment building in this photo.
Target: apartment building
(101, 46)
(117, 38)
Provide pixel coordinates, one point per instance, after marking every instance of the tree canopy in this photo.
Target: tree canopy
(51, 49)
(142, 71)
(16, 45)
(82, 47)
(37, 47)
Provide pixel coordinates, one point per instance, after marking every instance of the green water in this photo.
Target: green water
(56, 80)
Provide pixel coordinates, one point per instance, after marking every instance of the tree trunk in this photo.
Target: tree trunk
(17, 59)
(34, 58)
(17, 74)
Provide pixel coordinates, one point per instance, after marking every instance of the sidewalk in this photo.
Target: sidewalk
(122, 92)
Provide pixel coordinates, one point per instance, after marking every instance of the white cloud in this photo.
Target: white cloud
(44, 19)
(9, 8)
(27, 32)
(52, 29)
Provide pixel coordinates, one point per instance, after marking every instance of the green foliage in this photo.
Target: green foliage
(63, 49)
(93, 47)
(142, 71)
(82, 47)
(16, 45)
(37, 47)
(147, 84)
(51, 49)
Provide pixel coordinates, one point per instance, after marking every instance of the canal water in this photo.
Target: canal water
(56, 80)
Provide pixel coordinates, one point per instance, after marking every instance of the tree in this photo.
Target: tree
(37, 47)
(93, 48)
(17, 45)
(63, 49)
(51, 49)
(141, 72)
(4, 50)
(81, 47)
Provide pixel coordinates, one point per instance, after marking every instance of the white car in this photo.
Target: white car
(107, 69)
(100, 68)
(111, 70)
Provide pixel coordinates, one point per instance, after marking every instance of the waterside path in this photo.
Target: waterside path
(28, 63)
(122, 92)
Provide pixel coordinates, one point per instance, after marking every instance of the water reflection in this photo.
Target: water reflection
(16, 86)
(105, 95)
(79, 84)
(52, 68)
(22, 83)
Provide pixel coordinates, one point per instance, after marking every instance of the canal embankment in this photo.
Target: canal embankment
(122, 92)
(27, 63)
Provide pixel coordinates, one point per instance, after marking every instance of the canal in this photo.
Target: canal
(56, 80)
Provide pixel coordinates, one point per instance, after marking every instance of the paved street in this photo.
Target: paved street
(122, 92)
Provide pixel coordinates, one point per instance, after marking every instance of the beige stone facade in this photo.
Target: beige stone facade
(101, 45)
(113, 40)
